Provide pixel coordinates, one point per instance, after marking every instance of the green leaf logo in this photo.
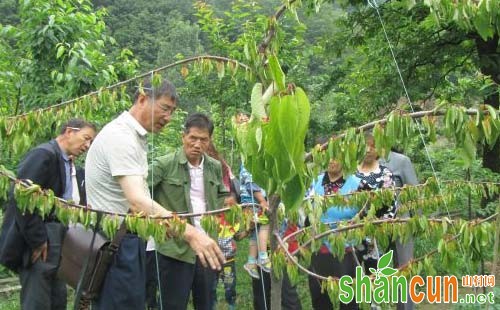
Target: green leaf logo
(383, 269)
(385, 260)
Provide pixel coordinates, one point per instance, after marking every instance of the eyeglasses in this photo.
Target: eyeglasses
(86, 137)
(168, 109)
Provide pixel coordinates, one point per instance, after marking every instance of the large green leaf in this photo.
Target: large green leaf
(276, 72)
(293, 193)
(287, 119)
(303, 116)
(258, 110)
(483, 23)
(273, 144)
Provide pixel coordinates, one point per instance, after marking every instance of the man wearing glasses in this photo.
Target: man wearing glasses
(117, 173)
(48, 165)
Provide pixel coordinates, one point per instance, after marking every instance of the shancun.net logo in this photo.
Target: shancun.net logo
(386, 285)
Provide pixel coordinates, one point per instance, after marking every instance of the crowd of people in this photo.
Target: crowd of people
(193, 179)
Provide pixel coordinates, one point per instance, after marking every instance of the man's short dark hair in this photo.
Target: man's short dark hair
(77, 123)
(165, 89)
(199, 120)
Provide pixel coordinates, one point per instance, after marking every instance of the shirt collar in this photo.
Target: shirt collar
(134, 124)
(183, 159)
(63, 154)
(200, 166)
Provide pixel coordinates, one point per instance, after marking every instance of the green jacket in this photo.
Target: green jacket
(170, 181)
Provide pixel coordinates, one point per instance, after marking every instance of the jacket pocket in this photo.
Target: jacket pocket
(212, 194)
(172, 192)
(213, 183)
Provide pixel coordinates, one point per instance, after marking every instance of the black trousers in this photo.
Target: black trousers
(178, 279)
(326, 264)
(40, 287)
(124, 285)
(289, 297)
(151, 281)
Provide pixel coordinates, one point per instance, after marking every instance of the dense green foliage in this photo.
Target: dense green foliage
(56, 52)
(338, 56)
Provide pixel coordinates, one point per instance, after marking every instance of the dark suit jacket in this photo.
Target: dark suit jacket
(20, 233)
(44, 166)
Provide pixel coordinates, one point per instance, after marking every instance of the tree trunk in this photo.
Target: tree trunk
(489, 63)
(276, 284)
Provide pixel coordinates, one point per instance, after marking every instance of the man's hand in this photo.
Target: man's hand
(259, 197)
(205, 248)
(40, 252)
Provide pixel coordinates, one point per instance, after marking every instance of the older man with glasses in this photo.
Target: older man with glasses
(48, 165)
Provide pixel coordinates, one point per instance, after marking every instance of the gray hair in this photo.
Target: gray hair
(76, 123)
(166, 89)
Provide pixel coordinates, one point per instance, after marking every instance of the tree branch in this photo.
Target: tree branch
(413, 115)
(271, 33)
(180, 62)
(293, 259)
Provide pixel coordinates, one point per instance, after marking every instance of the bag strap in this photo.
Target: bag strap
(115, 243)
(78, 290)
(113, 246)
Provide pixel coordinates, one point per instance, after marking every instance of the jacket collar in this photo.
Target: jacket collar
(60, 161)
(56, 147)
(181, 155)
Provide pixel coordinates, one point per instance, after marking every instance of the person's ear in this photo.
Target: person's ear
(142, 99)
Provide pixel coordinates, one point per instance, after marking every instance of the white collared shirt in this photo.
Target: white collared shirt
(120, 149)
(75, 189)
(197, 191)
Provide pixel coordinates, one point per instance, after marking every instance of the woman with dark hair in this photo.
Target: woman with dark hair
(323, 262)
(373, 176)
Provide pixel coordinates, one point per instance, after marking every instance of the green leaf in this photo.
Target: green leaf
(258, 110)
(492, 111)
(468, 151)
(487, 130)
(60, 51)
(288, 122)
(276, 72)
(483, 25)
(385, 260)
(293, 193)
(279, 142)
(220, 69)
